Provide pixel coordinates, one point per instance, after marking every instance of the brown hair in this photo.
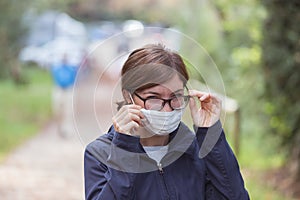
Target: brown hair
(151, 65)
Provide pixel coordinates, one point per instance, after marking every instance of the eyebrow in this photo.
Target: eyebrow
(150, 92)
(156, 93)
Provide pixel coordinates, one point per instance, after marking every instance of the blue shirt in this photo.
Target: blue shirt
(64, 75)
(116, 167)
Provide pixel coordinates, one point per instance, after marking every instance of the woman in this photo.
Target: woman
(149, 153)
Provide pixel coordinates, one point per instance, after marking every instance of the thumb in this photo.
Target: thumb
(193, 107)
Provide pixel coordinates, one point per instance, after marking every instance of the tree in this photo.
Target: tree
(281, 62)
(10, 31)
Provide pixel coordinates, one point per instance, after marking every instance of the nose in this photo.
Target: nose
(167, 107)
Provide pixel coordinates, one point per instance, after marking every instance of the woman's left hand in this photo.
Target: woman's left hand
(210, 110)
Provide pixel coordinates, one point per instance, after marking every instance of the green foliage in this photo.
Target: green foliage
(233, 39)
(258, 190)
(12, 31)
(10, 35)
(60, 5)
(281, 62)
(24, 109)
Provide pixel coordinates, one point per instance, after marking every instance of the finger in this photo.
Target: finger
(204, 95)
(129, 126)
(133, 117)
(207, 97)
(129, 107)
(125, 116)
(136, 112)
(118, 119)
(116, 124)
(199, 94)
(124, 127)
(193, 106)
(217, 101)
(134, 106)
(194, 111)
(196, 93)
(212, 100)
(123, 112)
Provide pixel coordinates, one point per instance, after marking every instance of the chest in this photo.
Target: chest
(184, 179)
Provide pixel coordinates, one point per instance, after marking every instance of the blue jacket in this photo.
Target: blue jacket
(196, 167)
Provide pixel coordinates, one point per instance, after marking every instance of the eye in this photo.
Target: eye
(152, 97)
(177, 95)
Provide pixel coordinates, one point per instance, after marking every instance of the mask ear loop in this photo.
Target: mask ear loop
(131, 99)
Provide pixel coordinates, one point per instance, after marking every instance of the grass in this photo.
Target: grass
(256, 161)
(258, 155)
(259, 190)
(24, 109)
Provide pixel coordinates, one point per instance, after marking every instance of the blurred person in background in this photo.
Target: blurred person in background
(148, 153)
(64, 75)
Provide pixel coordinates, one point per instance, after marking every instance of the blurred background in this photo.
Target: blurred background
(46, 45)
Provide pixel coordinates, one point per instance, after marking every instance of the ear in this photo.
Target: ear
(126, 95)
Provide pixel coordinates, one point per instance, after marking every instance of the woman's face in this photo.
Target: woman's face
(168, 90)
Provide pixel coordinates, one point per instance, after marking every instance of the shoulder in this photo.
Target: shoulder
(100, 147)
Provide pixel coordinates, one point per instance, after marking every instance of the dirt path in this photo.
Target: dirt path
(46, 167)
(49, 166)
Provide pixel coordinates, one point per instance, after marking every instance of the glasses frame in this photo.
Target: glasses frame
(164, 101)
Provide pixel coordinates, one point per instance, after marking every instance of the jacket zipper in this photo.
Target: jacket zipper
(161, 172)
(160, 168)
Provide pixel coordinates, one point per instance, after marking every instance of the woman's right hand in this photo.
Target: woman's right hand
(127, 119)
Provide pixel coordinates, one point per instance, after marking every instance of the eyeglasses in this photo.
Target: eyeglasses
(176, 103)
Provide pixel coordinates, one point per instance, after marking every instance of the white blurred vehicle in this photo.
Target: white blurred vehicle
(54, 36)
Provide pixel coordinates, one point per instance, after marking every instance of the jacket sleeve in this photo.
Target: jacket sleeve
(224, 180)
(103, 182)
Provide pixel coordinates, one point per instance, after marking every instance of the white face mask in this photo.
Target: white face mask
(161, 123)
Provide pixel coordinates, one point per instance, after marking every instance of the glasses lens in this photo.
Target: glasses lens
(179, 102)
(154, 104)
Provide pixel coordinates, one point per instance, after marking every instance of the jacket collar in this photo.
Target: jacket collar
(182, 140)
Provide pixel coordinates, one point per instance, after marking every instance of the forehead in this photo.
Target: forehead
(172, 85)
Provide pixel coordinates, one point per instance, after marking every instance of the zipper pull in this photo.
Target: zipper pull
(159, 165)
